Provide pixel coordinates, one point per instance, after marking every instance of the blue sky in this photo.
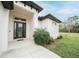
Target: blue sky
(60, 9)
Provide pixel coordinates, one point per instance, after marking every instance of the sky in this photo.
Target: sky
(60, 9)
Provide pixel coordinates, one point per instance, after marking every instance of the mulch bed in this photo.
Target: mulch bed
(52, 45)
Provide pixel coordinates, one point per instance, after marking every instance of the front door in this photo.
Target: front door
(19, 29)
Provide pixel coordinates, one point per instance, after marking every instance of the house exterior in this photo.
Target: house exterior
(51, 24)
(19, 19)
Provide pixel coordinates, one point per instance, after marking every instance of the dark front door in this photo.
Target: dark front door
(19, 29)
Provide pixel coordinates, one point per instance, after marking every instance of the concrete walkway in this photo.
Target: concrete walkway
(28, 50)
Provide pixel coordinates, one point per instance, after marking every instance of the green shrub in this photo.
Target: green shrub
(60, 37)
(41, 37)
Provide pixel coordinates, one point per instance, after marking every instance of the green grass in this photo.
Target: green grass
(68, 46)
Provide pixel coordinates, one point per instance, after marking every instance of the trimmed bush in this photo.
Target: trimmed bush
(41, 37)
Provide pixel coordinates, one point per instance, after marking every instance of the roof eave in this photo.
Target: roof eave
(8, 5)
(50, 17)
(33, 5)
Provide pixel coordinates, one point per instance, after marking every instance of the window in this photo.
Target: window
(19, 29)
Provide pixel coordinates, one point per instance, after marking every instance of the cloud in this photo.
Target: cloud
(46, 8)
(67, 11)
(43, 4)
(62, 10)
(46, 11)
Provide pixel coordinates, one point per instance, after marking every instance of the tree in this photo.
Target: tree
(72, 24)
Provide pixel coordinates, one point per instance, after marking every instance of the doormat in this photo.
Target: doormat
(20, 40)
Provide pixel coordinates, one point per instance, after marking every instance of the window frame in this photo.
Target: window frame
(24, 29)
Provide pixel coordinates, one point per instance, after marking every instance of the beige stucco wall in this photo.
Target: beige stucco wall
(26, 13)
(51, 26)
(11, 24)
(7, 23)
(4, 20)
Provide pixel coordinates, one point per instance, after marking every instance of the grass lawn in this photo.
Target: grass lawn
(68, 46)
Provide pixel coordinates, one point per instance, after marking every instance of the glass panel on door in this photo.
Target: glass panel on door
(19, 29)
